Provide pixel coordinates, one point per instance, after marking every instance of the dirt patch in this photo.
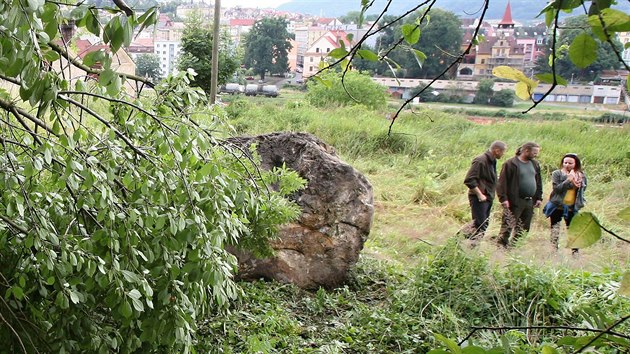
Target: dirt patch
(483, 120)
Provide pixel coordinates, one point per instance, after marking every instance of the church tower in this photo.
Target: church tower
(506, 26)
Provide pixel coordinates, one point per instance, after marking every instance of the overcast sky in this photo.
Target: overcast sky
(250, 3)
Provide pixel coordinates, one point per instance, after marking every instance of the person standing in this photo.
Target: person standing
(481, 181)
(567, 195)
(519, 191)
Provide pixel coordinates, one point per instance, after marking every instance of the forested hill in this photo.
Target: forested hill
(521, 9)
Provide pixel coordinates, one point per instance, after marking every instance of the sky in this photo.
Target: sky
(253, 3)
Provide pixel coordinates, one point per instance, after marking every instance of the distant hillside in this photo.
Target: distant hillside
(522, 10)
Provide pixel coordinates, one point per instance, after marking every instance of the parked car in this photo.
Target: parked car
(249, 78)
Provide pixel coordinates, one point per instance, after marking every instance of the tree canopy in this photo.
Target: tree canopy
(148, 65)
(196, 54)
(440, 37)
(267, 46)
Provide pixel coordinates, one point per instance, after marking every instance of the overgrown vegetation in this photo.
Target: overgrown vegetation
(116, 205)
(356, 89)
(416, 279)
(391, 308)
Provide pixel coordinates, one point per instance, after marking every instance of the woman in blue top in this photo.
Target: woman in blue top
(567, 196)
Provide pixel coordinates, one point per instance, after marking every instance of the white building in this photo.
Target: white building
(167, 46)
(319, 50)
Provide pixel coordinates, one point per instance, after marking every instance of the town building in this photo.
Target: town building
(318, 51)
(503, 45)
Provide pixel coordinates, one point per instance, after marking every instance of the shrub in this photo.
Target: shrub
(361, 90)
(484, 91)
(503, 98)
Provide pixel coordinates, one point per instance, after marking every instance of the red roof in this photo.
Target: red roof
(507, 16)
(324, 20)
(142, 42)
(242, 22)
(85, 47)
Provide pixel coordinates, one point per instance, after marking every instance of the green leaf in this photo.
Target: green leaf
(94, 57)
(74, 297)
(338, 53)
(114, 86)
(125, 309)
(324, 82)
(506, 72)
(17, 292)
(624, 288)
(525, 86)
(137, 305)
(127, 30)
(78, 12)
(35, 5)
(149, 18)
(615, 20)
(624, 214)
(62, 301)
(92, 22)
(583, 50)
(547, 78)
(450, 344)
(523, 91)
(367, 55)
(411, 33)
(438, 351)
(471, 349)
(546, 349)
(135, 294)
(130, 276)
(549, 16)
(584, 231)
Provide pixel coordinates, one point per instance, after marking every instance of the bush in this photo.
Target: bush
(484, 91)
(427, 96)
(609, 117)
(503, 98)
(361, 90)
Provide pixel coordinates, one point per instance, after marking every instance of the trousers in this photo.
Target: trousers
(480, 215)
(516, 221)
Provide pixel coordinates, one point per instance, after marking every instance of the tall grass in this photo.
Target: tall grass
(415, 277)
(418, 169)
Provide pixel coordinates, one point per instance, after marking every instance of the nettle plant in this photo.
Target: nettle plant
(115, 210)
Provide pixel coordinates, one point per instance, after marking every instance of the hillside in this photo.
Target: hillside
(521, 9)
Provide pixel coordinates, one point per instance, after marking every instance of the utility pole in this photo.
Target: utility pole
(215, 52)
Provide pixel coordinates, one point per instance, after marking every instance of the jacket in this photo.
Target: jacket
(508, 186)
(560, 185)
(482, 174)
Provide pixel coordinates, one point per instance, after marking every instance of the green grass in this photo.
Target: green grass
(415, 277)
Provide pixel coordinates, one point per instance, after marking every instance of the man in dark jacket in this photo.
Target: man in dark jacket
(519, 191)
(481, 181)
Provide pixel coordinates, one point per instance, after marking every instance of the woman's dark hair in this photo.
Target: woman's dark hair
(578, 163)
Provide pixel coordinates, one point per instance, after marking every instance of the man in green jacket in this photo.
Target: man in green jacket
(481, 181)
(519, 191)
